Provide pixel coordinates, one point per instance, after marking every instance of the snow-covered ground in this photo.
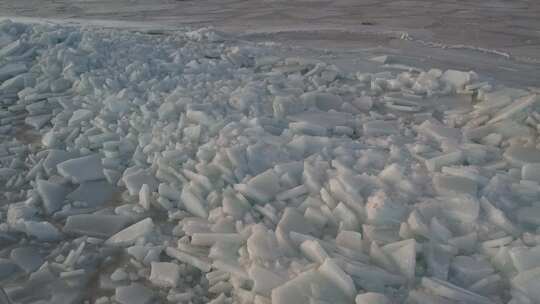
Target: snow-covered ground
(145, 162)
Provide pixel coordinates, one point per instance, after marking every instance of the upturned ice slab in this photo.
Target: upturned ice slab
(129, 235)
(82, 169)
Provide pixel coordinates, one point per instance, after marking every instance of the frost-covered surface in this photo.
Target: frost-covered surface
(191, 168)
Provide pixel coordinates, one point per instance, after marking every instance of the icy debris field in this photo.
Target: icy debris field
(193, 168)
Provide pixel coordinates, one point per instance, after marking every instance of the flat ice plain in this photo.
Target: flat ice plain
(296, 152)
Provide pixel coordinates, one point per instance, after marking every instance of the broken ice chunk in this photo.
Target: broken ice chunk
(262, 244)
(313, 251)
(350, 239)
(193, 203)
(96, 225)
(497, 242)
(292, 193)
(363, 103)
(381, 258)
(291, 220)
(7, 173)
(463, 208)
(167, 110)
(322, 100)
(165, 274)
(244, 97)
(60, 85)
(17, 213)
(507, 129)
(307, 128)
(309, 284)
(381, 209)
(43, 231)
(419, 297)
(403, 105)
(14, 48)
(54, 157)
(188, 259)
(449, 185)
(139, 252)
(520, 156)
(14, 85)
(467, 270)
(135, 293)
(450, 291)
(37, 121)
(153, 255)
(458, 79)
(439, 231)
(438, 260)
(381, 233)
(452, 158)
(493, 139)
(393, 173)
(7, 268)
(112, 176)
(470, 172)
(135, 177)
(52, 195)
(263, 187)
(516, 109)
(264, 280)
(168, 192)
(525, 258)
(380, 59)
(10, 70)
(417, 224)
(531, 172)
(465, 243)
(28, 258)
(371, 277)
(380, 128)
(79, 116)
(347, 217)
(119, 275)
(82, 169)
(403, 254)
(498, 217)
(498, 98)
(94, 193)
(129, 235)
(528, 282)
(7, 239)
(440, 132)
(529, 215)
(145, 198)
(372, 298)
(326, 120)
(342, 280)
(209, 239)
